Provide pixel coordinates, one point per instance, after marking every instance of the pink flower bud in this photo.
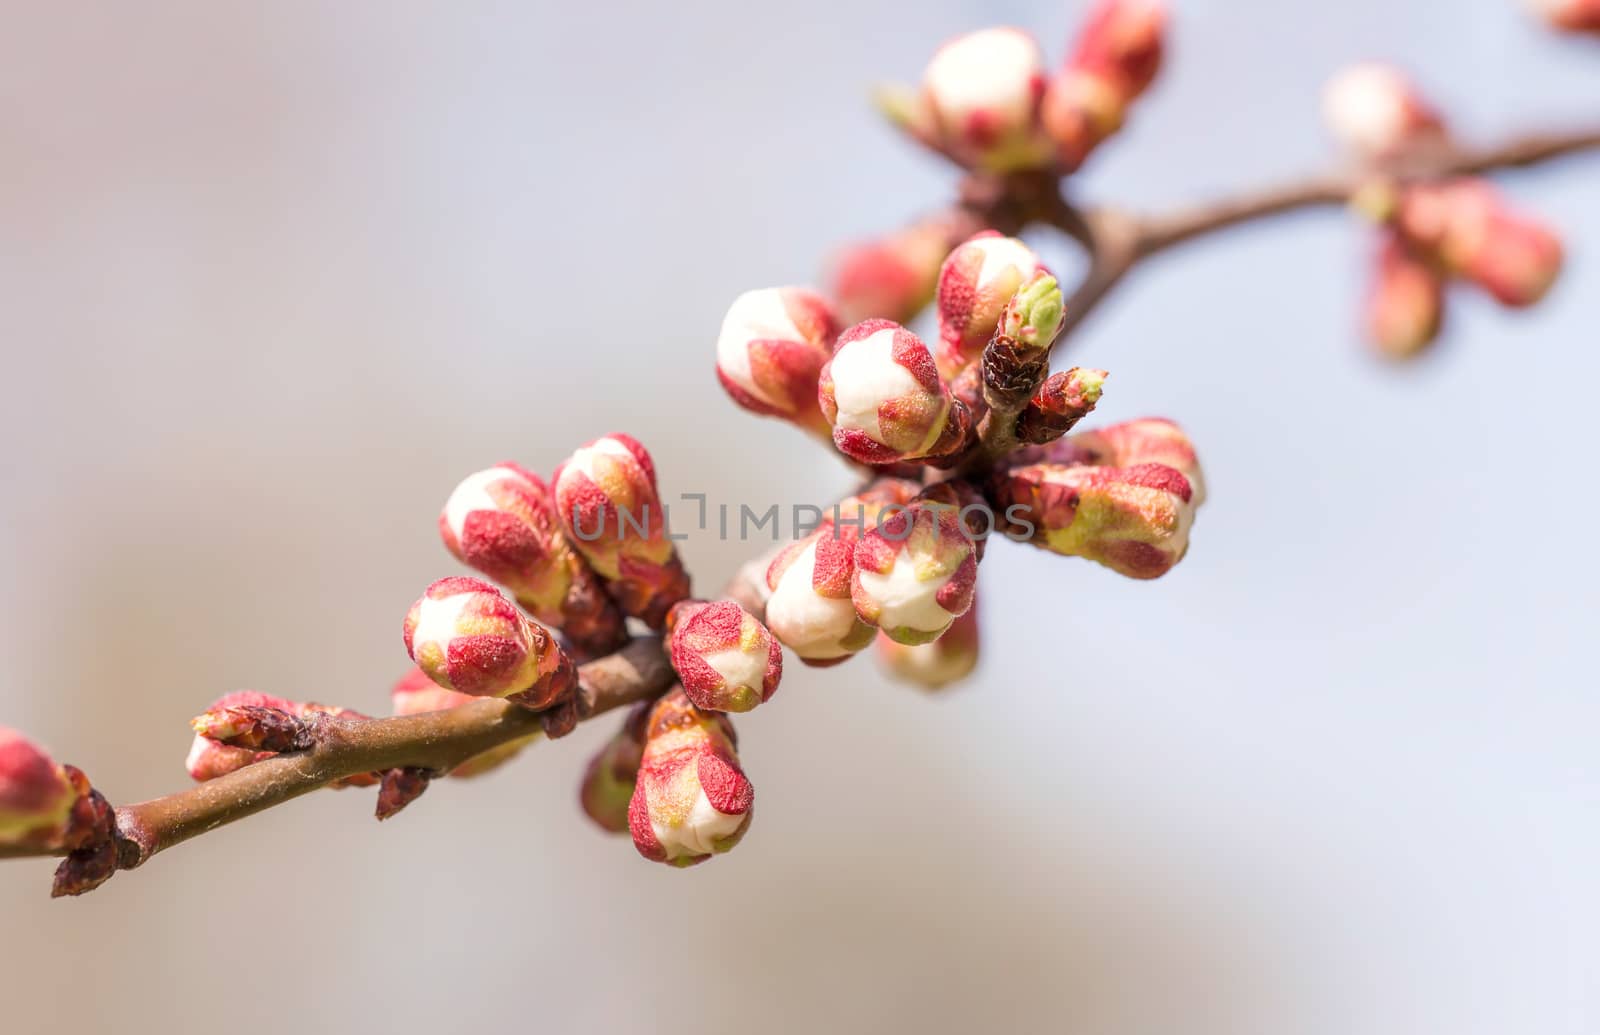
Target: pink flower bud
(1405, 307)
(725, 658)
(810, 610)
(692, 799)
(613, 772)
(980, 100)
(1465, 227)
(914, 573)
(36, 795)
(466, 636)
(949, 659)
(502, 522)
(607, 500)
(1062, 401)
(976, 283)
(1134, 520)
(772, 347)
(1376, 112)
(1569, 15)
(1121, 43)
(1079, 111)
(885, 399)
(893, 277)
(416, 694)
(231, 715)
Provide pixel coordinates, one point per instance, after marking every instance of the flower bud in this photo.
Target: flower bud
(502, 522)
(1405, 306)
(979, 101)
(914, 573)
(949, 659)
(1121, 43)
(468, 637)
(893, 277)
(772, 347)
(1061, 402)
(692, 799)
(1376, 112)
(1149, 440)
(725, 658)
(36, 795)
(247, 715)
(885, 399)
(1465, 227)
(607, 500)
(1079, 111)
(209, 759)
(1569, 15)
(613, 772)
(976, 284)
(1134, 520)
(416, 694)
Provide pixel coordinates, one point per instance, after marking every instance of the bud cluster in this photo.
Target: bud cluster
(988, 103)
(1431, 231)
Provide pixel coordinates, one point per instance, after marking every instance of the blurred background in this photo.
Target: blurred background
(273, 277)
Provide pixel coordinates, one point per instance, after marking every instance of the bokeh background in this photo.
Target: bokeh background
(274, 276)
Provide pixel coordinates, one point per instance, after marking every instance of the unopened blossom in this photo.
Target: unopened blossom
(468, 637)
(726, 659)
(936, 664)
(914, 573)
(1115, 58)
(36, 793)
(502, 521)
(893, 277)
(692, 799)
(1569, 15)
(416, 694)
(613, 772)
(773, 344)
(1374, 110)
(976, 283)
(1148, 440)
(979, 101)
(1134, 520)
(209, 755)
(607, 499)
(1465, 228)
(1405, 304)
(884, 398)
(1061, 402)
(810, 609)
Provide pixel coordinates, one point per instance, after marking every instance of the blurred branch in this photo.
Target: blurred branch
(1116, 240)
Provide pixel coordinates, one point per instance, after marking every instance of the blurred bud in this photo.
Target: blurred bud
(1405, 306)
(692, 799)
(609, 780)
(36, 795)
(979, 101)
(1121, 43)
(416, 694)
(607, 500)
(1134, 520)
(725, 658)
(773, 344)
(466, 636)
(885, 399)
(1061, 402)
(1465, 227)
(1115, 58)
(502, 522)
(1569, 15)
(914, 573)
(949, 659)
(976, 283)
(89, 838)
(893, 277)
(1376, 112)
(1149, 440)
